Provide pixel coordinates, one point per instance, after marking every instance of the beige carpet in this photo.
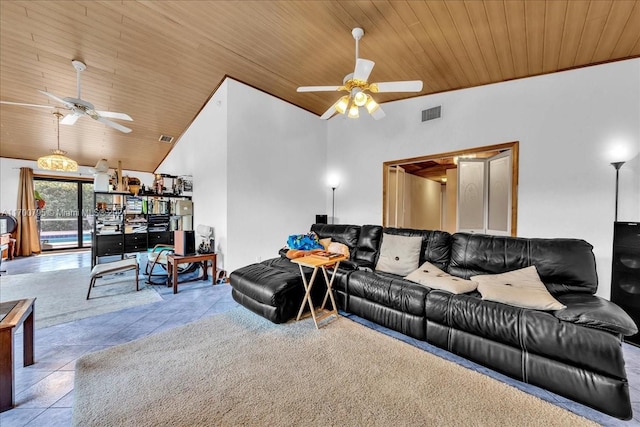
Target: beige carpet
(61, 295)
(239, 369)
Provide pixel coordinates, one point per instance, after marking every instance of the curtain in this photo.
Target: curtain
(27, 238)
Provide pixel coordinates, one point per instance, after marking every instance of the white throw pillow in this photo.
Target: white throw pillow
(521, 288)
(399, 254)
(430, 275)
(426, 269)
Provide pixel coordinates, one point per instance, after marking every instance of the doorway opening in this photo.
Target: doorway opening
(472, 190)
(65, 218)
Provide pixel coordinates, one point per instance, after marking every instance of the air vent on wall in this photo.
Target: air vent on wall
(165, 138)
(431, 113)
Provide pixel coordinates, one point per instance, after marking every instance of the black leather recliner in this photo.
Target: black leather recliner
(575, 352)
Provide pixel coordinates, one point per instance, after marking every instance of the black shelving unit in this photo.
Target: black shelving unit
(124, 223)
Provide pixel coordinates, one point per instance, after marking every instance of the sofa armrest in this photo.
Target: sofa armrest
(595, 312)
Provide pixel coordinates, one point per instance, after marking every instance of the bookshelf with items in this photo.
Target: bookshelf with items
(108, 225)
(164, 214)
(128, 224)
(135, 225)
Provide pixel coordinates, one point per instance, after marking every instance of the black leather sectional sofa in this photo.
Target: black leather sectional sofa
(575, 352)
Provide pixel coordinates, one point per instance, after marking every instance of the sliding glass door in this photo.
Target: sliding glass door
(65, 220)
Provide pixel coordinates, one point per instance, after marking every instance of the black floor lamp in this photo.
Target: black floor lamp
(617, 165)
(333, 205)
(334, 182)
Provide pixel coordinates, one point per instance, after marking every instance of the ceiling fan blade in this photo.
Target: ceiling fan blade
(70, 119)
(330, 112)
(378, 113)
(114, 125)
(57, 98)
(318, 88)
(403, 86)
(363, 69)
(112, 115)
(22, 104)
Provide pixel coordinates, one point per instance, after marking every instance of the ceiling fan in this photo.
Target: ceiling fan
(357, 85)
(78, 107)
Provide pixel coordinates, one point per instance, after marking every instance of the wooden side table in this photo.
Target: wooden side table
(318, 263)
(14, 314)
(172, 267)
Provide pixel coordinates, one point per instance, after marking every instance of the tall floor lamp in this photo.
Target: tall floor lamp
(617, 165)
(334, 182)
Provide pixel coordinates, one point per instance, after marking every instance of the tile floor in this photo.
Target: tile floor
(44, 391)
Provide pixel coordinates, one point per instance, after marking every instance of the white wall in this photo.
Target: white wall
(10, 177)
(567, 124)
(258, 168)
(202, 152)
(276, 175)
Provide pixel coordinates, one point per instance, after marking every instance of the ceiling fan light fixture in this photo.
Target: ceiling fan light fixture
(354, 112)
(360, 98)
(371, 105)
(357, 84)
(341, 105)
(58, 161)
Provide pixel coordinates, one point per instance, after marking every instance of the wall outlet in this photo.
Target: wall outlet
(258, 258)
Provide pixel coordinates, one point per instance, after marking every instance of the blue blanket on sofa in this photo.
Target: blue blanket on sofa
(305, 242)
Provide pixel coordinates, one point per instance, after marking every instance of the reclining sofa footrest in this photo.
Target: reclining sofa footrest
(267, 291)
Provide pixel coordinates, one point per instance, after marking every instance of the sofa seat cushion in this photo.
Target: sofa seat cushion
(284, 264)
(596, 312)
(534, 331)
(388, 290)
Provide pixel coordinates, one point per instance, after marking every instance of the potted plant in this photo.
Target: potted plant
(39, 200)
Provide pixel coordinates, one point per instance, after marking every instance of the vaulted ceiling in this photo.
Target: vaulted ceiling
(160, 61)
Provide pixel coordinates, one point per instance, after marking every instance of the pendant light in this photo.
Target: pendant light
(58, 161)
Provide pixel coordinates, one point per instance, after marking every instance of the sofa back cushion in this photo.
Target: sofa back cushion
(564, 265)
(399, 254)
(435, 245)
(341, 233)
(368, 245)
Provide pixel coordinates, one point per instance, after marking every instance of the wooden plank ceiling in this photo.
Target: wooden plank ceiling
(159, 61)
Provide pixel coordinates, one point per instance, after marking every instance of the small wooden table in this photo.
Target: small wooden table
(172, 267)
(14, 314)
(318, 263)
